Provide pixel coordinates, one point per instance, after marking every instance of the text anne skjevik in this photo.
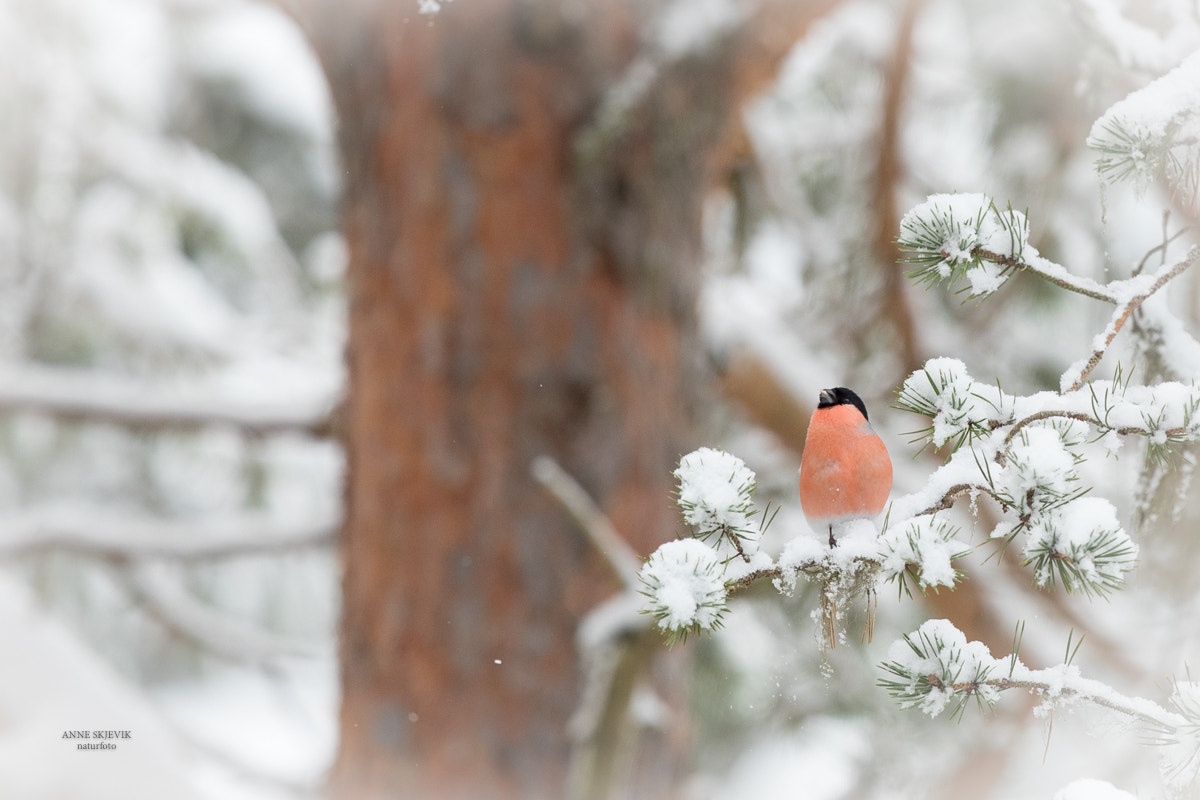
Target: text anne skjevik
(105, 740)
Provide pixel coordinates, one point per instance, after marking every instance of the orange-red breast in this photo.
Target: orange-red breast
(845, 471)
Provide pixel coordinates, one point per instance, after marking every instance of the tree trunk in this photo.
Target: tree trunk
(522, 275)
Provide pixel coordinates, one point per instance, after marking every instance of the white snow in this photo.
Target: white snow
(960, 403)
(686, 581)
(1167, 102)
(985, 278)
(1038, 459)
(925, 541)
(257, 52)
(966, 222)
(957, 401)
(1092, 789)
(686, 26)
(802, 550)
(951, 658)
(820, 761)
(1077, 530)
(855, 539)
(1149, 136)
(714, 490)
(54, 684)
(737, 567)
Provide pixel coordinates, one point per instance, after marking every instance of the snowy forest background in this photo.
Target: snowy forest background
(174, 333)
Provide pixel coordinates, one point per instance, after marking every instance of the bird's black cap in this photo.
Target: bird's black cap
(841, 396)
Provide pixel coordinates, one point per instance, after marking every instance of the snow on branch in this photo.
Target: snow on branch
(921, 550)
(1152, 135)
(1024, 453)
(688, 582)
(715, 494)
(1128, 295)
(88, 397)
(684, 584)
(964, 236)
(936, 669)
(963, 410)
(126, 537)
(159, 592)
(951, 238)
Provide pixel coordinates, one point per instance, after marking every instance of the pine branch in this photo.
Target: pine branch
(1091, 691)
(1050, 271)
(952, 494)
(1048, 414)
(621, 558)
(749, 579)
(1169, 434)
(935, 668)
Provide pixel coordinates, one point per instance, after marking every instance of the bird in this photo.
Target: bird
(845, 470)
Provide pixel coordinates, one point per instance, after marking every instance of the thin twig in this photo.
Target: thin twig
(620, 557)
(1049, 414)
(1128, 430)
(735, 540)
(751, 578)
(1162, 246)
(1121, 315)
(1082, 286)
(952, 494)
(1138, 708)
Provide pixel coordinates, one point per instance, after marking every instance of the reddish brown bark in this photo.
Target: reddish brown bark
(510, 297)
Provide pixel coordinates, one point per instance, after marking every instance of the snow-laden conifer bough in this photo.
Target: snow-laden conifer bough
(1021, 451)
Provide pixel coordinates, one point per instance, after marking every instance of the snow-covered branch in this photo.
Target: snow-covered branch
(160, 594)
(1078, 373)
(963, 410)
(126, 537)
(1152, 134)
(688, 582)
(1021, 451)
(952, 238)
(935, 668)
(1024, 453)
(89, 397)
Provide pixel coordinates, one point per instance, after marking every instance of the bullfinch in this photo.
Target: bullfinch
(845, 471)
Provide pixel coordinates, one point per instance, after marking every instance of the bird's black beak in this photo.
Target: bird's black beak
(826, 398)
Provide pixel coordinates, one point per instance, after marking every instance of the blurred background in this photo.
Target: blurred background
(296, 296)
